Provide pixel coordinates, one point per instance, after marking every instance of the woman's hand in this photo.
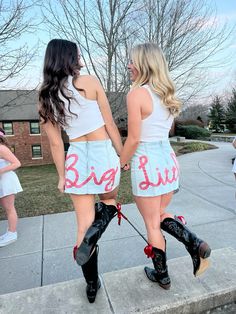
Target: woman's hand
(61, 185)
(125, 167)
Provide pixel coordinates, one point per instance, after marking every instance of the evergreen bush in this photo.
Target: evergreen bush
(193, 132)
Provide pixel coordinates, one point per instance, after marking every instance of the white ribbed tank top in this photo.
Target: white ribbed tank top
(89, 117)
(158, 124)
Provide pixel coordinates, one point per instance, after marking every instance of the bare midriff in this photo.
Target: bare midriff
(97, 135)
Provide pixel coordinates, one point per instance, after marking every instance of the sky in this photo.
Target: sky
(226, 11)
(225, 75)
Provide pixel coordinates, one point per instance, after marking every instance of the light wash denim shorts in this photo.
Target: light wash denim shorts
(92, 167)
(154, 169)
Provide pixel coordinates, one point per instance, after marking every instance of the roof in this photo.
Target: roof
(18, 105)
(21, 105)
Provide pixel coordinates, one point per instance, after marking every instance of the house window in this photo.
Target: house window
(34, 127)
(36, 151)
(8, 128)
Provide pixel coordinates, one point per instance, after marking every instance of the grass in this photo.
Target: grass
(191, 147)
(224, 133)
(40, 195)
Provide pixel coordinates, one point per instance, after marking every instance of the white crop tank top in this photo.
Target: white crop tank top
(88, 116)
(158, 124)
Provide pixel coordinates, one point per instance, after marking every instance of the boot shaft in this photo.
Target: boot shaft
(90, 271)
(90, 268)
(160, 272)
(105, 212)
(197, 248)
(103, 215)
(177, 229)
(159, 262)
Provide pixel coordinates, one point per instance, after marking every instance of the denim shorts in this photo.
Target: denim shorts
(154, 169)
(91, 167)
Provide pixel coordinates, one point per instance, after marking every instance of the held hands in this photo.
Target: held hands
(125, 167)
(61, 185)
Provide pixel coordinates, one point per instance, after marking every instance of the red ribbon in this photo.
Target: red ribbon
(120, 214)
(74, 251)
(148, 251)
(182, 219)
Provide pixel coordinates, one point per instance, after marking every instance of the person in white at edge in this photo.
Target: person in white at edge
(9, 186)
(234, 165)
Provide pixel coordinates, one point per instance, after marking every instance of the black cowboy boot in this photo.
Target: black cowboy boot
(103, 215)
(198, 249)
(160, 273)
(90, 271)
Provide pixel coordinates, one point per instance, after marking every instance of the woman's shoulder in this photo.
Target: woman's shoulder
(88, 83)
(139, 92)
(87, 78)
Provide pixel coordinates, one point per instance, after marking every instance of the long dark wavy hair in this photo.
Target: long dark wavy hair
(61, 60)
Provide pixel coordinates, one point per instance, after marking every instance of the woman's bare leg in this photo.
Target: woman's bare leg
(8, 203)
(85, 213)
(150, 209)
(109, 198)
(165, 201)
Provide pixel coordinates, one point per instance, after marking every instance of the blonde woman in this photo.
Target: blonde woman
(152, 106)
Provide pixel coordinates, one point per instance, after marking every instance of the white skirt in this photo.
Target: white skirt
(92, 167)
(9, 184)
(154, 169)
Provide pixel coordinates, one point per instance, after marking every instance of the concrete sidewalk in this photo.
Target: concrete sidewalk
(43, 253)
(129, 291)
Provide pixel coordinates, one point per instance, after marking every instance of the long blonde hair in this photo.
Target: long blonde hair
(152, 68)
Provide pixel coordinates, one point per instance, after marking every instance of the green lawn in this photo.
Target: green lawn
(40, 195)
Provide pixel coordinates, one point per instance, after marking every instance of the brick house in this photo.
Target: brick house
(20, 120)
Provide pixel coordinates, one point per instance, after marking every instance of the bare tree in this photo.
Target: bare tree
(193, 111)
(191, 37)
(13, 24)
(186, 30)
(103, 30)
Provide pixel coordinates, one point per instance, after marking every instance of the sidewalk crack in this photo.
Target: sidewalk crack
(42, 256)
(107, 295)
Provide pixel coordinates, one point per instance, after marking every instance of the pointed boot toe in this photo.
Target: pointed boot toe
(152, 276)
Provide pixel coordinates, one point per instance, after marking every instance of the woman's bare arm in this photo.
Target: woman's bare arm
(57, 150)
(134, 99)
(6, 154)
(110, 125)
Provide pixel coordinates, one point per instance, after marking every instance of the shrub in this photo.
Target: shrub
(231, 113)
(189, 122)
(193, 132)
(217, 115)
